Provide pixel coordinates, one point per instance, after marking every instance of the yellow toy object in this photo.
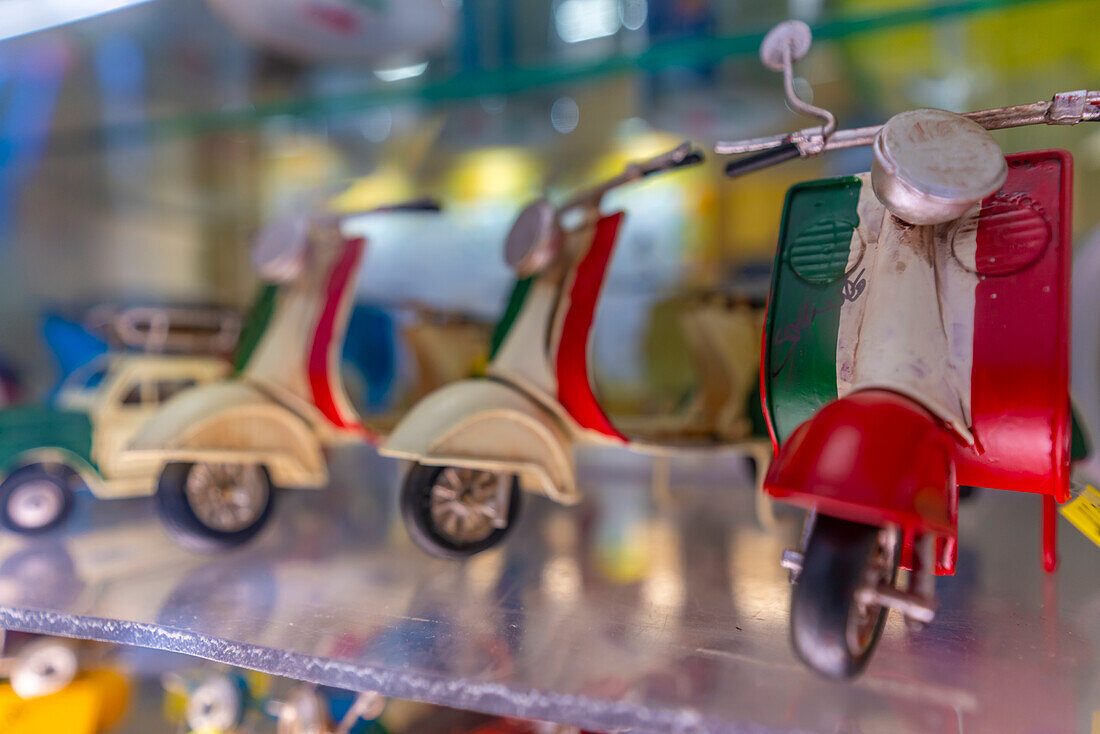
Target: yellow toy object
(385, 184)
(91, 703)
(47, 693)
(1008, 44)
(493, 174)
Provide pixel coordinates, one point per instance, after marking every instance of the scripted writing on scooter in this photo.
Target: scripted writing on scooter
(792, 333)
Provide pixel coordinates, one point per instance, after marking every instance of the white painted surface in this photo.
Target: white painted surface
(911, 329)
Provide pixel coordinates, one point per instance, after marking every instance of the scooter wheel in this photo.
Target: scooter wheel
(210, 507)
(217, 704)
(45, 666)
(830, 631)
(449, 511)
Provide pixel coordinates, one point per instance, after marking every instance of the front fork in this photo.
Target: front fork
(916, 600)
(503, 500)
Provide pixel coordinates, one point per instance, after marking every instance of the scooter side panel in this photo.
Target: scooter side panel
(1020, 379)
(571, 362)
(809, 284)
(322, 363)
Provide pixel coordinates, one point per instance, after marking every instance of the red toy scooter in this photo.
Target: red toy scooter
(917, 340)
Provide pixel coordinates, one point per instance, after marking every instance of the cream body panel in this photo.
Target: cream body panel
(234, 422)
(485, 424)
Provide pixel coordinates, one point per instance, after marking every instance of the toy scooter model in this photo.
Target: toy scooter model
(235, 700)
(917, 339)
(477, 442)
(225, 446)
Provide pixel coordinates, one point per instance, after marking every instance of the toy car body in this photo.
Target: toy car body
(47, 452)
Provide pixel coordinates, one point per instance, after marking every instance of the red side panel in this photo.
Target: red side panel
(1020, 377)
(322, 366)
(574, 389)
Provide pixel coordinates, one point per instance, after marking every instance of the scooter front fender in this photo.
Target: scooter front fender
(873, 457)
(488, 424)
(233, 422)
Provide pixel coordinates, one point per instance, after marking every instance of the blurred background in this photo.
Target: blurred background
(143, 142)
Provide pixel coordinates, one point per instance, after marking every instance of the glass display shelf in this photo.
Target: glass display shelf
(655, 606)
(550, 69)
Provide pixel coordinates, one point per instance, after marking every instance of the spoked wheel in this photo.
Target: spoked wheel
(454, 512)
(44, 667)
(832, 631)
(210, 506)
(216, 705)
(303, 712)
(36, 498)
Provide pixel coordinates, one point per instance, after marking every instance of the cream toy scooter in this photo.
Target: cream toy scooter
(224, 447)
(476, 443)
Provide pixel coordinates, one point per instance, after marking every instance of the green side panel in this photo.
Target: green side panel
(255, 324)
(27, 428)
(1079, 444)
(756, 412)
(515, 303)
(807, 290)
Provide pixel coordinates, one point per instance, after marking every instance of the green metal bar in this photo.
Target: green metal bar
(510, 81)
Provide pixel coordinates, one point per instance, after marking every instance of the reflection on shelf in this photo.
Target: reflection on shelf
(615, 614)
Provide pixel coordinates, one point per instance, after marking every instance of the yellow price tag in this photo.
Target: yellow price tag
(1084, 513)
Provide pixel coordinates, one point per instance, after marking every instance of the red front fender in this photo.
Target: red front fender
(873, 457)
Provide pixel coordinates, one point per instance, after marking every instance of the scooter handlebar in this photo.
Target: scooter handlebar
(690, 159)
(416, 205)
(684, 154)
(680, 156)
(763, 159)
(425, 204)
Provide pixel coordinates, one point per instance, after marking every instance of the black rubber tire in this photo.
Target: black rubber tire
(832, 570)
(184, 525)
(416, 512)
(58, 475)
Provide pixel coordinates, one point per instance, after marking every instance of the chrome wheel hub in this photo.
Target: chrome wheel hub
(45, 667)
(302, 714)
(227, 497)
(863, 615)
(35, 504)
(466, 503)
(214, 706)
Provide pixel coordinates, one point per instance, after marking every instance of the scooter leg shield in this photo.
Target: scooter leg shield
(873, 457)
